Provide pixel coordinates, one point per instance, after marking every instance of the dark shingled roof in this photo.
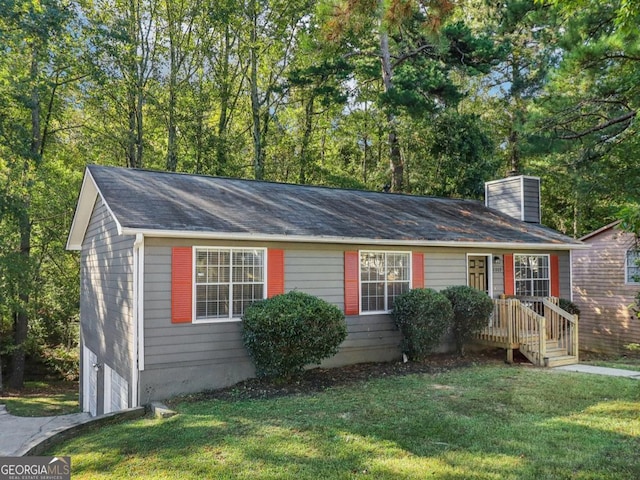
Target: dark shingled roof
(151, 200)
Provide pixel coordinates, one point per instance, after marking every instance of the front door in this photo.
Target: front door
(478, 277)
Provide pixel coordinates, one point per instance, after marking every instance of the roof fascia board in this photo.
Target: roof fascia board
(82, 216)
(600, 230)
(347, 240)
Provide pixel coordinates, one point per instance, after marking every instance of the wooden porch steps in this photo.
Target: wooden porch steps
(560, 360)
(555, 356)
(543, 332)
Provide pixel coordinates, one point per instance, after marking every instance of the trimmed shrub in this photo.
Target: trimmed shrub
(568, 306)
(471, 311)
(289, 331)
(423, 316)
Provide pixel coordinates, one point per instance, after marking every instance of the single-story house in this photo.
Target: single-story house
(170, 261)
(606, 280)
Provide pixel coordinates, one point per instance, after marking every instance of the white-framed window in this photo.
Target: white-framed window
(632, 268)
(532, 275)
(383, 276)
(227, 280)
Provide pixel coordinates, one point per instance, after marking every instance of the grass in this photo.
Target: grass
(631, 362)
(483, 422)
(42, 399)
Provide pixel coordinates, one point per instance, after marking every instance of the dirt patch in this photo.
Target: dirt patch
(319, 379)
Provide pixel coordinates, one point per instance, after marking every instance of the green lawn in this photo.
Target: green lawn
(484, 422)
(627, 363)
(42, 399)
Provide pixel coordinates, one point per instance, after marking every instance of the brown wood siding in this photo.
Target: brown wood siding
(599, 290)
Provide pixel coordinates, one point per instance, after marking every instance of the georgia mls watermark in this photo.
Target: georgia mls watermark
(35, 468)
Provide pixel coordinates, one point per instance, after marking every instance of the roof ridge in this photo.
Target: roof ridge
(287, 184)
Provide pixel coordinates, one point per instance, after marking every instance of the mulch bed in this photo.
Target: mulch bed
(319, 379)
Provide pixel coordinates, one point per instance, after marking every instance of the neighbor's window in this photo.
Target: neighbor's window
(383, 276)
(227, 281)
(633, 265)
(531, 275)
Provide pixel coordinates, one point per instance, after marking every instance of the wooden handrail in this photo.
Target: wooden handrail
(564, 328)
(536, 340)
(516, 324)
(559, 311)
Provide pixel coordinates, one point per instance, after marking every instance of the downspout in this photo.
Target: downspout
(138, 318)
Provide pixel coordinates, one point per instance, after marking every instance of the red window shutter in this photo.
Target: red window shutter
(275, 269)
(351, 283)
(509, 283)
(555, 275)
(418, 270)
(181, 285)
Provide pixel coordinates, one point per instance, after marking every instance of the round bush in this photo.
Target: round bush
(422, 315)
(471, 311)
(289, 331)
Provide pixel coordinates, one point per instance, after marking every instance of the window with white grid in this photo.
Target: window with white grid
(532, 276)
(633, 266)
(383, 276)
(227, 280)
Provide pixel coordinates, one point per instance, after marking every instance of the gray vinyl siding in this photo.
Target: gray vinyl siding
(181, 358)
(370, 338)
(168, 344)
(316, 272)
(505, 196)
(565, 274)
(199, 356)
(445, 269)
(106, 298)
(518, 197)
(531, 199)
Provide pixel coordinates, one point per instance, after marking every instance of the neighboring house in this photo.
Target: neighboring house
(170, 261)
(606, 280)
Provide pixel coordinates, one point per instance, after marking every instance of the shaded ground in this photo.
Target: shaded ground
(319, 379)
(42, 398)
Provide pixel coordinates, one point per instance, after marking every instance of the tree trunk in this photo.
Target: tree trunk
(258, 147)
(139, 127)
(395, 154)
(172, 131)
(21, 318)
(514, 151)
(20, 315)
(225, 92)
(130, 140)
(172, 153)
(306, 140)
